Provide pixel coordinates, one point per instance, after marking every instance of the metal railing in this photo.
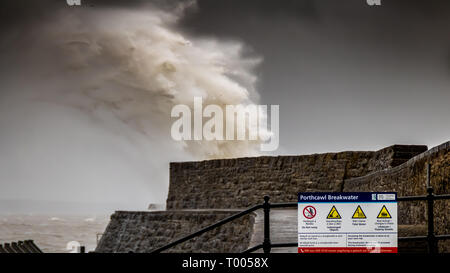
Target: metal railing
(431, 238)
(206, 229)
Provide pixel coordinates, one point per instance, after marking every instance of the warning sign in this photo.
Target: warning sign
(359, 213)
(309, 212)
(333, 214)
(384, 213)
(347, 222)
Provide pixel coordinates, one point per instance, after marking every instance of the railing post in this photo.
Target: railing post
(432, 247)
(266, 243)
(432, 244)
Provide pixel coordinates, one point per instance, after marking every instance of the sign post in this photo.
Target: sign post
(347, 222)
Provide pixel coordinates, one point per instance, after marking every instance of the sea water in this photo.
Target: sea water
(53, 233)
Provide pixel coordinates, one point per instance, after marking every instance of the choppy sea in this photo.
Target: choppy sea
(53, 233)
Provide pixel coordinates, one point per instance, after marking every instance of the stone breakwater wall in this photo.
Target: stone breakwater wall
(141, 231)
(410, 179)
(242, 182)
(202, 193)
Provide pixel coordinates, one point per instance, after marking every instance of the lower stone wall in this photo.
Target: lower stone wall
(410, 179)
(139, 231)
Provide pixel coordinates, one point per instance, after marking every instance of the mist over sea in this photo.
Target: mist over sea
(53, 224)
(52, 232)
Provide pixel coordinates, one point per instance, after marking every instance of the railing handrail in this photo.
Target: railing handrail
(295, 204)
(423, 197)
(208, 228)
(266, 206)
(430, 237)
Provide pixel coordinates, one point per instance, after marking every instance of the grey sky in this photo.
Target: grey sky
(346, 76)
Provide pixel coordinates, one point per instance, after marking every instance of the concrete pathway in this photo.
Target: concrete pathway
(283, 229)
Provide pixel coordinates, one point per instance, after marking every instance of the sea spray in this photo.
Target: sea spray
(134, 64)
(87, 94)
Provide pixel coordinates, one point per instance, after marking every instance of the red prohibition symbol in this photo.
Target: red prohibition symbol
(309, 212)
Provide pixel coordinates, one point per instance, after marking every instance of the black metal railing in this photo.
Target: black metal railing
(206, 229)
(267, 244)
(431, 238)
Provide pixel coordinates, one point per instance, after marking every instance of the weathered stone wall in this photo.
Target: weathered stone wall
(242, 182)
(410, 179)
(140, 231)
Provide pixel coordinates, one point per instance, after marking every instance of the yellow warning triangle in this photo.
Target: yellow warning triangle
(333, 214)
(384, 213)
(359, 213)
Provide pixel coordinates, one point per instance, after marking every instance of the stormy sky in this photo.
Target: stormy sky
(347, 76)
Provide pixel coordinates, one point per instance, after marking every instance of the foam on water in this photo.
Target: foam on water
(53, 233)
